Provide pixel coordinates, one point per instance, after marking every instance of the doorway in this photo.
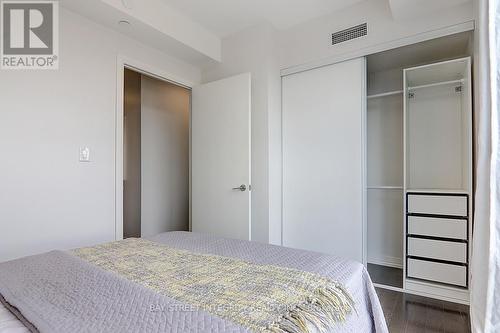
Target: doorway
(156, 117)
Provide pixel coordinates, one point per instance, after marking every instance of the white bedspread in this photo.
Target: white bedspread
(368, 316)
(352, 275)
(9, 323)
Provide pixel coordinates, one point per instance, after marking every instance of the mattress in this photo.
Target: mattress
(368, 317)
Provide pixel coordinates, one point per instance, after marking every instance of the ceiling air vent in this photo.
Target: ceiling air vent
(350, 33)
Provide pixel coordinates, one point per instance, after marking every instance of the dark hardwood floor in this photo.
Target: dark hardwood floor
(415, 314)
(388, 276)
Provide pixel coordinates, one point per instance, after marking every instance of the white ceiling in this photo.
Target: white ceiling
(407, 9)
(155, 24)
(226, 17)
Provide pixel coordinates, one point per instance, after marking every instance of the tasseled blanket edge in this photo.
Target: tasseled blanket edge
(326, 307)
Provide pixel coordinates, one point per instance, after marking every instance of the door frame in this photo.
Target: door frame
(124, 62)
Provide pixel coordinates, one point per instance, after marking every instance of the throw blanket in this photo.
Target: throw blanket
(262, 298)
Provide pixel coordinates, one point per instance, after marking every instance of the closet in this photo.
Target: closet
(410, 221)
(419, 167)
(156, 156)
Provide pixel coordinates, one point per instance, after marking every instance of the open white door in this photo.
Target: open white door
(220, 158)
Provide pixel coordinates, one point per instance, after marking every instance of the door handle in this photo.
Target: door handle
(241, 188)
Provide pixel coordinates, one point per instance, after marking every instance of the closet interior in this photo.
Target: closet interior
(156, 155)
(419, 167)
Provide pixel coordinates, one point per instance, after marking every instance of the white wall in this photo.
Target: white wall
(164, 157)
(254, 50)
(275, 149)
(48, 199)
(407, 9)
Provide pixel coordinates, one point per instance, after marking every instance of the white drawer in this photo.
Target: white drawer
(434, 249)
(437, 204)
(434, 271)
(437, 227)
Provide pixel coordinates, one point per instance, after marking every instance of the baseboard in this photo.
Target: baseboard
(384, 286)
(387, 261)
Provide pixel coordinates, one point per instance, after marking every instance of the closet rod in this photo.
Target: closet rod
(390, 93)
(461, 81)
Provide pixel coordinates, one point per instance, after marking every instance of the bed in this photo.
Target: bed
(61, 292)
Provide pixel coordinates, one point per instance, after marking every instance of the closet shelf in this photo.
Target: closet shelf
(461, 81)
(437, 190)
(385, 187)
(390, 93)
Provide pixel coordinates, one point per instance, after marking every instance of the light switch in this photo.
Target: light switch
(84, 154)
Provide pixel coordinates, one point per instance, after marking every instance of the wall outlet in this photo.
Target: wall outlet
(84, 154)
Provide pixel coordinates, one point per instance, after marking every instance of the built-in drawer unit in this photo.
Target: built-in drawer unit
(438, 227)
(437, 237)
(437, 204)
(436, 249)
(455, 275)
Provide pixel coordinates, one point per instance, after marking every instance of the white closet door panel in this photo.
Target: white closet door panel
(323, 156)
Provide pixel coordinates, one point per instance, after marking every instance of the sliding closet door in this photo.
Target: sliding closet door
(323, 159)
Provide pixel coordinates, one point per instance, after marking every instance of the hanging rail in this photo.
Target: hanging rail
(384, 187)
(390, 93)
(461, 81)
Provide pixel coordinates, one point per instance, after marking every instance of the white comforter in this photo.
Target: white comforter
(9, 323)
(368, 316)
